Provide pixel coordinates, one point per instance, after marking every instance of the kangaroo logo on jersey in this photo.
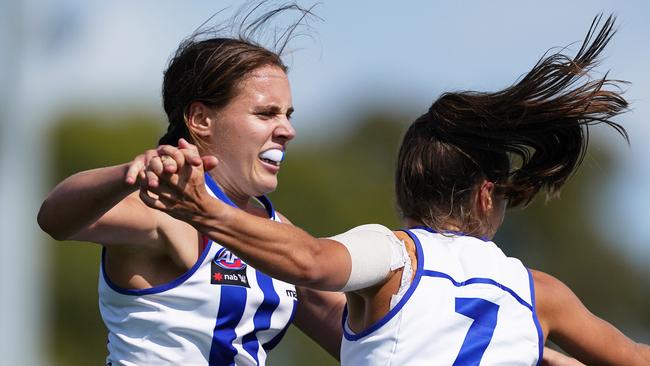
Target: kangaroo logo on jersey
(228, 269)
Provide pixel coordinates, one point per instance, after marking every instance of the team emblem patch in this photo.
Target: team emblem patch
(228, 269)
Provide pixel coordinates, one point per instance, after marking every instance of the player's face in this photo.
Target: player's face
(251, 132)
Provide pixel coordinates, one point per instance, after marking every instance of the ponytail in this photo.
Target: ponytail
(175, 131)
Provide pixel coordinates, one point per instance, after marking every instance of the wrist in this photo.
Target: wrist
(212, 215)
(120, 174)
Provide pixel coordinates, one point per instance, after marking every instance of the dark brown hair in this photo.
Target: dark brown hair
(528, 137)
(207, 68)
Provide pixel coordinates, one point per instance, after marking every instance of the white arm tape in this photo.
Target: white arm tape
(375, 251)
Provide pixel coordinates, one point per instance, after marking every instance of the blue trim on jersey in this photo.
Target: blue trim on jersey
(268, 206)
(386, 318)
(456, 233)
(540, 334)
(475, 280)
(214, 187)
(262, 317)
(274, 342)
(222, 352)
(155, 289)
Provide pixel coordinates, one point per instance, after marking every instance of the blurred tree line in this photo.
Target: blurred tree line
(327, 187)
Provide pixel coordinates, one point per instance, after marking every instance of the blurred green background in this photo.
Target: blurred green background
(326, 189)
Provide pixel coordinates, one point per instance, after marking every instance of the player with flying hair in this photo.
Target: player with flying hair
(440, 291)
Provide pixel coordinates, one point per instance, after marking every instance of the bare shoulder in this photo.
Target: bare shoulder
(552, 298)
(544, 282)
(139, 229)
(550, 291)
(178, 239)
(410, 249)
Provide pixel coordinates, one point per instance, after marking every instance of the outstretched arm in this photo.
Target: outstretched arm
(282, 251)
(100, 206)
(80, 200)
(583, 335)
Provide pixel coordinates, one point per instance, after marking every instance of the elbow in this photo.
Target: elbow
(49, 224)
(305, 268)
(311, 278)
(44, 221)
(315, 279)
(312, 270)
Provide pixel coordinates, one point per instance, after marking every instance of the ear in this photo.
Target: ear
(484, 197)
(200, 119)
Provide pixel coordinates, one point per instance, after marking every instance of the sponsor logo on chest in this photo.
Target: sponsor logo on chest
(228, 269)
(292, 294)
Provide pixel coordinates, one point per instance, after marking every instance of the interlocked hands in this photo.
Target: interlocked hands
(172, 179)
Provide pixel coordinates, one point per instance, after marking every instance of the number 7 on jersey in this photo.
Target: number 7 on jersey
(480, 332)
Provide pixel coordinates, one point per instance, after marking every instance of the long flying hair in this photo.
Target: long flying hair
(527, 138)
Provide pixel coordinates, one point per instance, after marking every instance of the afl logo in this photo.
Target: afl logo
(226, 259)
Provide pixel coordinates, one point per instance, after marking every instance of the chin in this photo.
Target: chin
(267, 186)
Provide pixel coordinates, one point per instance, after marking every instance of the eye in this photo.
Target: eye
(265, 114)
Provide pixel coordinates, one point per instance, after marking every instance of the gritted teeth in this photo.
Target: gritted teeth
(273, 156)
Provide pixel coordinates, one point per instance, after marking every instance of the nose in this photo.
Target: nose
(285, 130)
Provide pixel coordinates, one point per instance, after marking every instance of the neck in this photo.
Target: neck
(240, 200)
(450, 227)
(445, 227)
(408, 222)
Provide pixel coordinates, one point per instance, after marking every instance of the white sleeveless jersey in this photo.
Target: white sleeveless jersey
(221, 312)
(468, 304)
